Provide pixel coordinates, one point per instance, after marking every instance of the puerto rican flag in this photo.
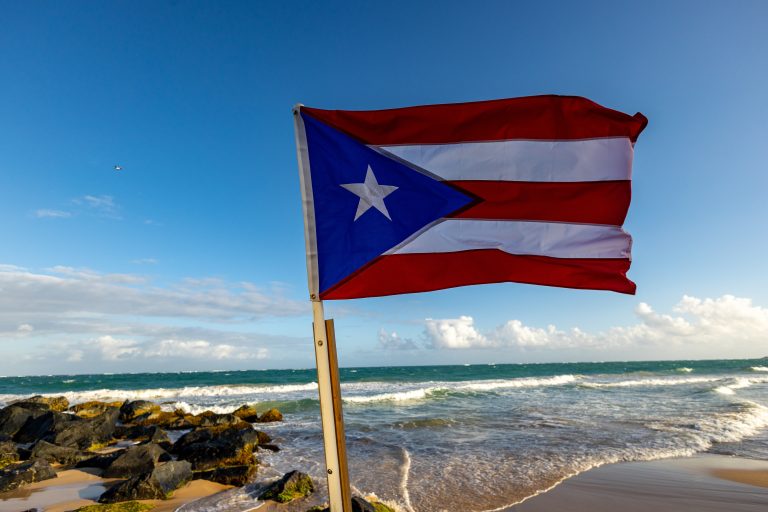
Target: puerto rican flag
(529, 190)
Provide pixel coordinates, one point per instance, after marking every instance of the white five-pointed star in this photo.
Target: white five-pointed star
(371, 194)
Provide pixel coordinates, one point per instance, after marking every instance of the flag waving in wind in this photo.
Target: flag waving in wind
(530, 190)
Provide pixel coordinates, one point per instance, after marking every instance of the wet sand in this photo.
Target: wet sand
(706, 483)
(76, 488)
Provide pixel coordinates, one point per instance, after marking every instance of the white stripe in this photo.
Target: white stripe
(308, 204)
(555, 239)
(524, 160)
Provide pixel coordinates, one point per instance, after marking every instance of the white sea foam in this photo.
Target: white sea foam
(402, 395)
(557, 380)
(759, 368)
(654, 382)
(413, 394)
(684, 369)
(261, 392)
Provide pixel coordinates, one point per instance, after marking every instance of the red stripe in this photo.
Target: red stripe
(410, 273)
(592, 202)
(535, 117)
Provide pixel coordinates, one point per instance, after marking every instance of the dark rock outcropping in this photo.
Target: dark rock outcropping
(271, 415)
(230, 475)
(20, 473)
(68, 430)
(13, 417)
(208, 448)
(157, 484)
(57, 454)
(9, 453)
(52, 403)
(129, 411)
(292, 485)
(136, 460)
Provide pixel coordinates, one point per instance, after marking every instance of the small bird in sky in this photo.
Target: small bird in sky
(118, 168)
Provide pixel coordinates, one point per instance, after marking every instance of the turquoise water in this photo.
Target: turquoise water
(479, 437)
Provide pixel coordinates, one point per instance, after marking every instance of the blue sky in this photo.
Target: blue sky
(192, 257)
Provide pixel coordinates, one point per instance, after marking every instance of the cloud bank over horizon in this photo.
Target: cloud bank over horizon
(69, 319)
(723, 325)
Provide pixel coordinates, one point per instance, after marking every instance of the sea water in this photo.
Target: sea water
(469, 438)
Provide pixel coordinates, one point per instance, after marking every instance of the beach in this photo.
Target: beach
(471, 437)
(707, 483)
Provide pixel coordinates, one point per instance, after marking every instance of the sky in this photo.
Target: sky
(192, 256)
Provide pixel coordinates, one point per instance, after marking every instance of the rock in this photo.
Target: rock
(13, 417)
(271, 415)
(291, 486)
(270, 447)
(358, 505)
(176, 420)
(53, 403)
(136, 460)
(211, 419)
(57, 454)
(157, 484)
(131, 410)
(208, 448)
(9, 453)
(87, 434)
(247, 413)
(20, 473)
(230, 475)
(45, 426)
(144, 434)
(68, 430)
(102, 461)
(125, 506)
(93, 408)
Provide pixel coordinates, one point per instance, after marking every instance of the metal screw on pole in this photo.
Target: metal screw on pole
(320, 343)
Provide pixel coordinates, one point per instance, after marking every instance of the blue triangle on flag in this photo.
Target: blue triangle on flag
(346, 244)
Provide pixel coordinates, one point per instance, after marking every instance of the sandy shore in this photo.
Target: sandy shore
(706, 483)
(76, 488)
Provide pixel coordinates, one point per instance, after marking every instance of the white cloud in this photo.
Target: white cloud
(454, 333)
(109, 348)
(102, 205)
(70, 293)
(82, 318)
(113, 349)
(45, 213)
(24, 328)
(202, 349)
(393, 341)
(723, 322)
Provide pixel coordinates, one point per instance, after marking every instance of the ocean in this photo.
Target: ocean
(472, 437)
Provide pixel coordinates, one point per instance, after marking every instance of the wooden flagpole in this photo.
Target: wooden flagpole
(330, 410)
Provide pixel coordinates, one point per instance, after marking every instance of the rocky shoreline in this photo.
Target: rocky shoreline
(129, 443)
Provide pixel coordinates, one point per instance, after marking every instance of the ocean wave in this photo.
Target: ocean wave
(440, 388)
(684, 369)
(251, 391)
(413, 394)
(722, 427)
(653, 382)
(740, 383)
(759, 368)
(557, 380)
